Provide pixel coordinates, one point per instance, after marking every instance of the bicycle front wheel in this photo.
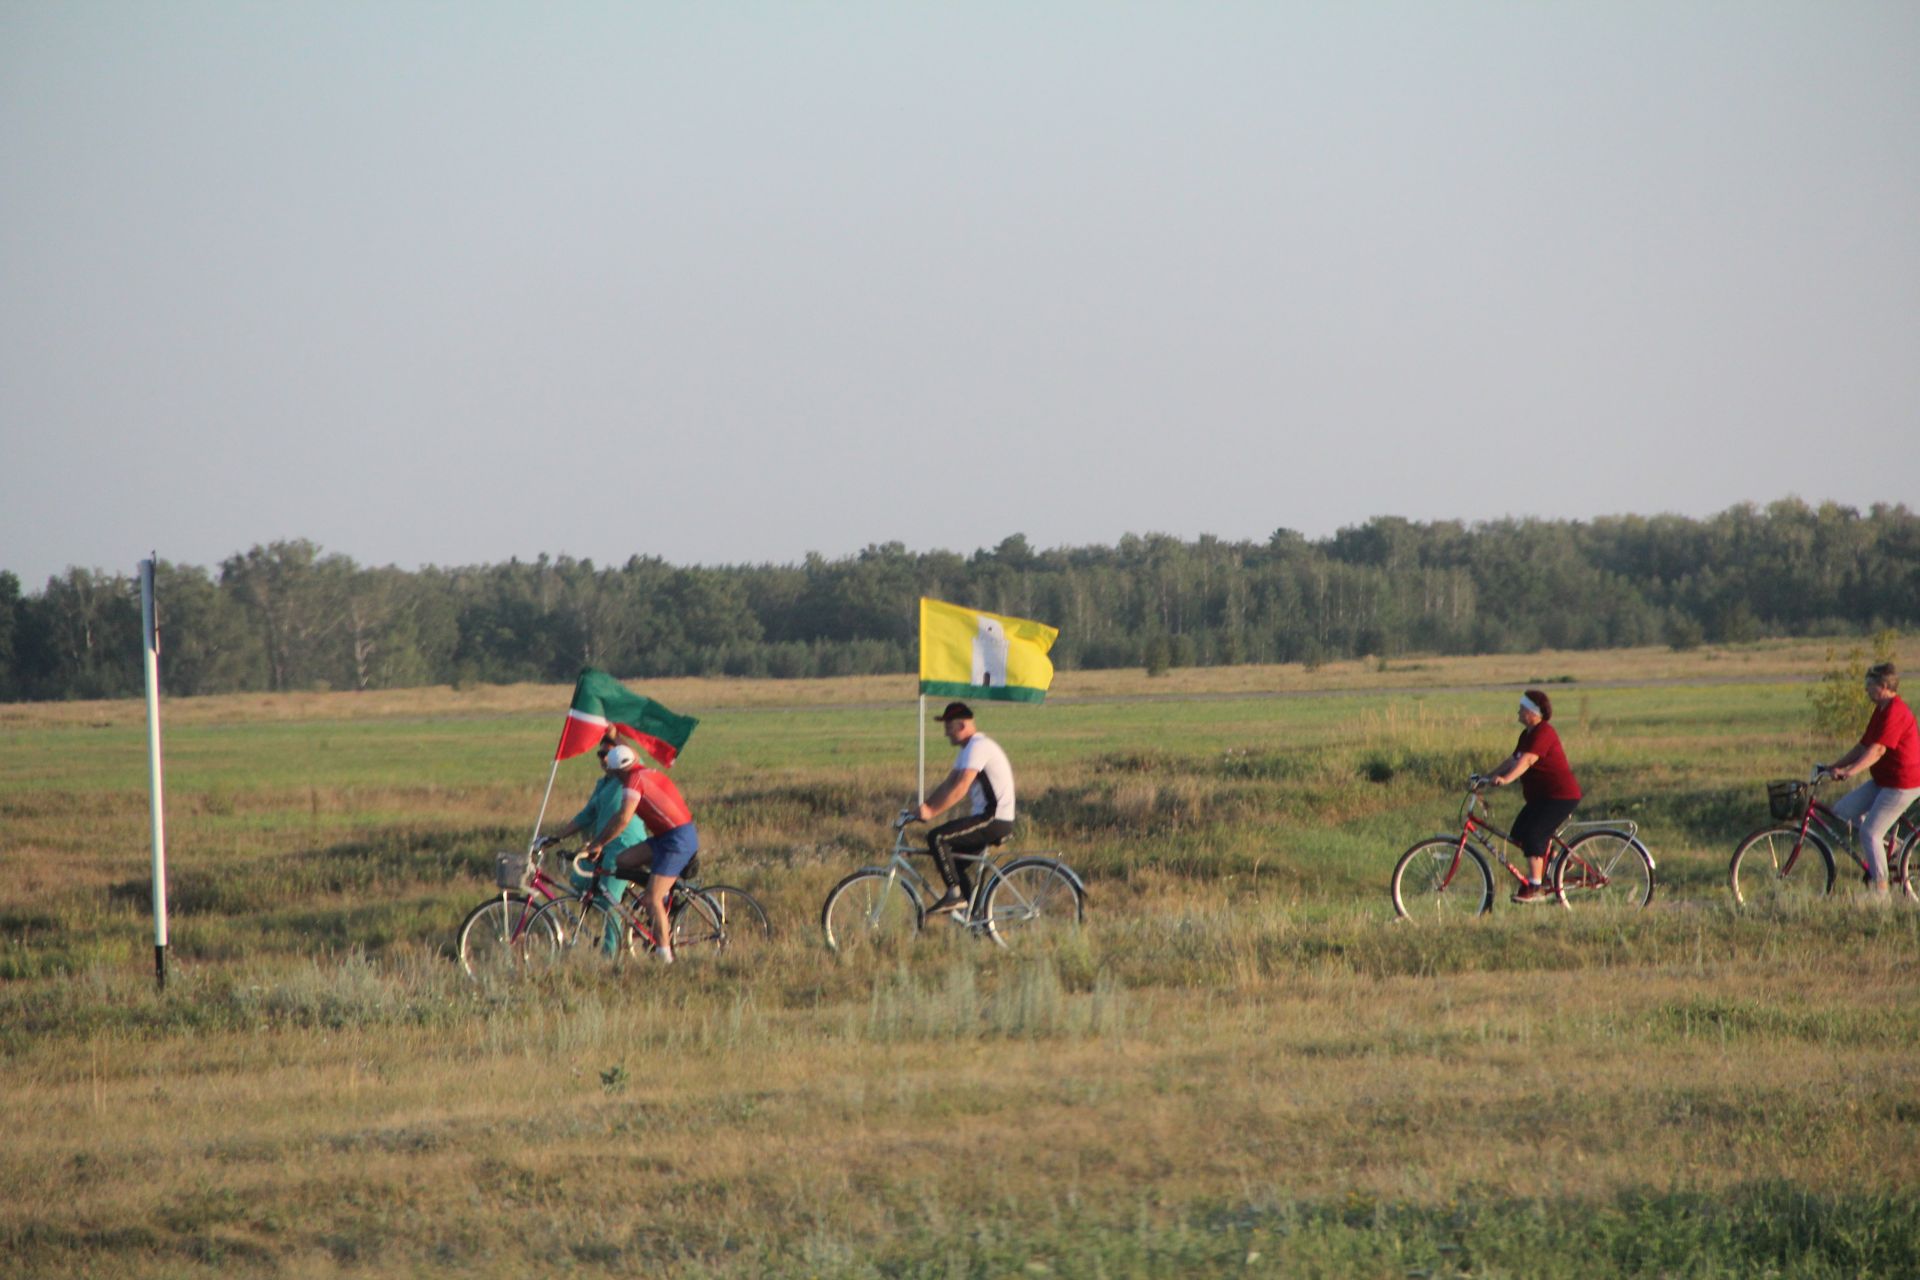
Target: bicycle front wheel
(1604, 868)
(1779, 864)
(871, 909)
(581, 933)
(497, 936)
(1442, 877)
(1033, 898)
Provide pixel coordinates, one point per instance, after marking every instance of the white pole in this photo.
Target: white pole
(923, 748)
(554, 773)
(150, 636)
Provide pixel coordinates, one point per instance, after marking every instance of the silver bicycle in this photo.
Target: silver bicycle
(1033, 895)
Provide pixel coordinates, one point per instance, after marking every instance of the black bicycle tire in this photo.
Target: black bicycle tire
(1642, 856)
(1000, 923)
(1428, 848)
(1819, 885)
(849, 941)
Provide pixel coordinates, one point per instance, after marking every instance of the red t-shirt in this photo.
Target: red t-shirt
(660, 807)
(1551, 777)
(1892, 727)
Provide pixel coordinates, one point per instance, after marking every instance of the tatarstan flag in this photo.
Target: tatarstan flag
(965, 653)
(600, 703)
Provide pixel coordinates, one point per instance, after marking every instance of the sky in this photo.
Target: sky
(449, 283)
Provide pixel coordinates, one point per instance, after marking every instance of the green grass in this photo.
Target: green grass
(1241, 1065)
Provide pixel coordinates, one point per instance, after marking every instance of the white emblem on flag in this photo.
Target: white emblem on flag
(990, 654)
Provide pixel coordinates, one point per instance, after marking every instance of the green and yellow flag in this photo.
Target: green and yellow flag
(965, 653)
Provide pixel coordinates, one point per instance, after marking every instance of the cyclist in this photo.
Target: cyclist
(1548, 785)
(642, 830)
(1890, 753)
(982, 773)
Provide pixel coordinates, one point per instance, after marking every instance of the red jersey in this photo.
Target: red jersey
(661, 809)
(1550, 777)
(1892, 727)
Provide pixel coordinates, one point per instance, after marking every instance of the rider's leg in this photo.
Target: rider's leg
(657, 889)
(945, 840)
(1871, 811)
(1533, 831)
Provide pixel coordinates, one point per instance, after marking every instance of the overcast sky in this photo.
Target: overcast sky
(454, 282)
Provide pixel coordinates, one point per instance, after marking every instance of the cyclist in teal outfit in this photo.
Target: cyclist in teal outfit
(603, 806)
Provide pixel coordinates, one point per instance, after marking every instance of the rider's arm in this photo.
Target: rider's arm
(615, 825)
(1861, 757)
(1515, 765)
(951, 789)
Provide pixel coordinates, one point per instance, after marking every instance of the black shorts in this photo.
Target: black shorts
(1538, 820)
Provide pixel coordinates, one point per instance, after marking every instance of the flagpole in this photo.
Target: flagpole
(551, 775)
(150, 657)
(923, 748)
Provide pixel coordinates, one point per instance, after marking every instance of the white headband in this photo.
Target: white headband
(1528, 704)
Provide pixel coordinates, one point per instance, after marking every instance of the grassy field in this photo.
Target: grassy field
(1241, 1066)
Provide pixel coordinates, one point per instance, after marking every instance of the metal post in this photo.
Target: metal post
(923, 748)
(150, 637)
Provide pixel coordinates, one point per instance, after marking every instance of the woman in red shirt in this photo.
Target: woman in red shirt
(1890, 751)
(1548, 784)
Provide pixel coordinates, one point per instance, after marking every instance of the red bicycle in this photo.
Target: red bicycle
(1794, 859)
(1600, 862)
(508, 930)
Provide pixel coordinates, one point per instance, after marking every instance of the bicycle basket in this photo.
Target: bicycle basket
(510, 870)
(1785, 799)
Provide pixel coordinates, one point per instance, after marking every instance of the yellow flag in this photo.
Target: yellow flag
(965, 653)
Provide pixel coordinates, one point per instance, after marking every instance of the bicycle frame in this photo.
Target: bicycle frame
(1839, 835)
(1476, 826)
(985, 864)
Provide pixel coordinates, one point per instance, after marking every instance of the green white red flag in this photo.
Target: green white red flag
(600, 703)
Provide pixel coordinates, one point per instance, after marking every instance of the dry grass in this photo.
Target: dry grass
(1239, 1056)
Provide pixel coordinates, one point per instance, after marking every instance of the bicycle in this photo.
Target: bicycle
(495, 935)
(1447, 875)
(614, 929)
(1034, 895)
(1788, 861)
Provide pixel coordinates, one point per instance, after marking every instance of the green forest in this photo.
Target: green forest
(293, 616)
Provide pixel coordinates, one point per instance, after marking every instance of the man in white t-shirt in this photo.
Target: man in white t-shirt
(982, 773)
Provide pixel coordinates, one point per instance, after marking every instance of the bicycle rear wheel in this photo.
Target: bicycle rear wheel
(1442, 877)
(1033, 898)
(1778, 864)
(1900, 867)
(1604, 868)
(870, 909)
(743, 921)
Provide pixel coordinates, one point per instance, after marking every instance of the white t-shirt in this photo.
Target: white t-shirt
(992, 789)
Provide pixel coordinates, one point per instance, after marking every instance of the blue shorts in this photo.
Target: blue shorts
(673, 850)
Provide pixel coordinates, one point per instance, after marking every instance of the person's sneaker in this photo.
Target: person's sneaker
(1528, 895)
(663, 954)
(953, 901)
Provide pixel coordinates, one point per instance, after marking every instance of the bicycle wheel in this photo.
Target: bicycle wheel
(694, 919)
(1775, 864)
(498, 935)
(1900, 868)
(1442, 877)
(1032, 898)
(871, 908)
(1606, 869)
(742, 919)
(581, 932)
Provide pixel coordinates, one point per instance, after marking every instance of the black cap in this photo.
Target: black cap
(955, 711)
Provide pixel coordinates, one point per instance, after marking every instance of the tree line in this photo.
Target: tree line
(288, 615)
